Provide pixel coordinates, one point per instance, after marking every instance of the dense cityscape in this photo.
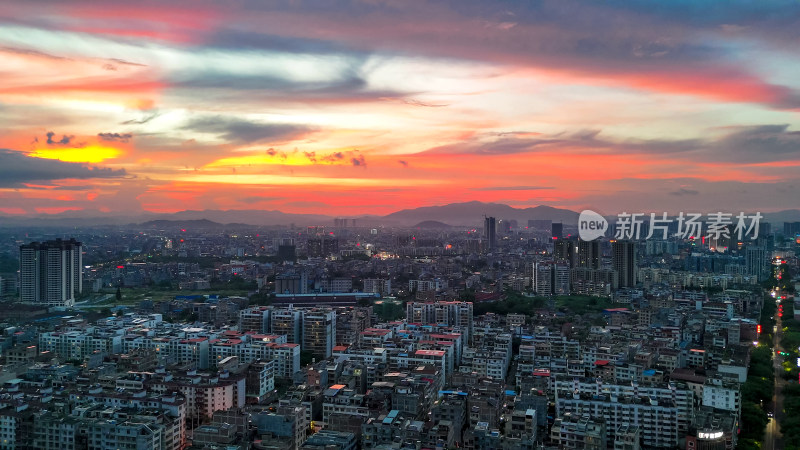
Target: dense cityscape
(505, 335)
(399, 225)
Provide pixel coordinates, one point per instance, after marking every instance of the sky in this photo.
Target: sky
(372, 106)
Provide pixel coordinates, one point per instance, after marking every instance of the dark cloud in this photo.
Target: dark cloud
(276, 153)
(683, 191)
(344, 84)
(734, 145)
(115, 137)
(143, 120)
(754, 144)
(243, 131)
(333, 157)
(65, 140)
(359, 161)
(254, 40)
(494, 146)
(17, 168)
(665, 52)
(336, 158)
(403, 163)
(517, 142)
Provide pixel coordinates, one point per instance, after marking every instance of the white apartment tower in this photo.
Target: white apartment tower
(51, 273)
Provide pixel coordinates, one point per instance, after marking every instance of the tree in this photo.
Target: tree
(754, 419)
(118, 295)
(748, 444)
(306, 357)
(467, 295)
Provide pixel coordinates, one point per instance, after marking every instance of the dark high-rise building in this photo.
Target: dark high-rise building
(292, 283)
(321, 247)
(540, 224)
(577, 253)
(791, 229)
(557, 230)
(755, 262)
(506, 225)
(587, 254)
(314, 247)
(51, 272)
(490, 232)
(562, 250)
(330, 246)
(623, 259)
(286, 252)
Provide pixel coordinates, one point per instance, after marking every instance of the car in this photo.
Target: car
(770, 414)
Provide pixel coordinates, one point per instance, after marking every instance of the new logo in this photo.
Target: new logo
(591, 225)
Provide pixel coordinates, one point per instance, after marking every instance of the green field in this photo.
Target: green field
(132, 296)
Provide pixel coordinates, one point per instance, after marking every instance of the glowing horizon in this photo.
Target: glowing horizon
(355, 107)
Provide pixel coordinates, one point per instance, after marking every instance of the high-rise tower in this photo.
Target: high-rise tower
(490, 232)
(51, 273)
(623, 259)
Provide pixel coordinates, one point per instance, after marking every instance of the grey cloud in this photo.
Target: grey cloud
(344, 85)
(243, 131)
(502, 146)
(243, 39)
(763, 143)
(683, 191)
(65, 140)
(736, 145)
(359, 161)
(272, 152)
(118, 137)
(17, 168)
(333, 157)
(143, 120)
(582, 37)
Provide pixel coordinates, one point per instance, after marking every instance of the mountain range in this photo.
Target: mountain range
(455, 214)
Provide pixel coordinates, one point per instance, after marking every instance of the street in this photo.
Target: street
(772, 435)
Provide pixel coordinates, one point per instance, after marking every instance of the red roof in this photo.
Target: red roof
(429, 352)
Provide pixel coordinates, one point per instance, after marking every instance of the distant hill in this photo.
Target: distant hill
(213, 217)
(777, 218)
(251, 217)
(472, 213)
(194, 224)
(432, 224)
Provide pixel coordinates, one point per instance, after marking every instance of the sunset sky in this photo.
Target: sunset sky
(368, 107)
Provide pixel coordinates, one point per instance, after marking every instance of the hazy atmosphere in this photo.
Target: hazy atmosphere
(369, 107)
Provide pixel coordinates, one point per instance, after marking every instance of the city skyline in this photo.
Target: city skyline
(352, 108)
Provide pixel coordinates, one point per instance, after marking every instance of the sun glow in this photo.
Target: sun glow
(88, 154)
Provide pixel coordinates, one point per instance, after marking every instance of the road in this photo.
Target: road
(772, 436)
(94, 301)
